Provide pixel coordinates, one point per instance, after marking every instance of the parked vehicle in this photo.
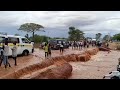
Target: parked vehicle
(24, 46)
(112, 75)
(55, 44)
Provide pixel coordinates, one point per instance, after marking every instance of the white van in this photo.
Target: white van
(24, 46)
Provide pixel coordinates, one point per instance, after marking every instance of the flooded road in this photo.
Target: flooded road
(99, 65)
(36, 57)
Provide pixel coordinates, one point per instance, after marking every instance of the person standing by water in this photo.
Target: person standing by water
(107, 45)
(6, 53)
(49, 50)
(61, 48)
(81, 45)
(2, 56)
(77, 44)
(14, 53)
(87, 44)
(46, 50)
(72, 45)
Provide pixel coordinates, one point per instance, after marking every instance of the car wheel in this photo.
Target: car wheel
(25, 53)
(114, 77)
(118, 69)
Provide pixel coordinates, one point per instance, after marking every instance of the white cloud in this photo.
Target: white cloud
(88, 21)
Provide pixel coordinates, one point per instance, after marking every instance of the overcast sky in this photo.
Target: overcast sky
(56, 23)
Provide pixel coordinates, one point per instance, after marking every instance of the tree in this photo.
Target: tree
(72, 33)
(75, 34)
(30, 27)
(27, 36)
(98, 35)
(106, 38)
(116, 37)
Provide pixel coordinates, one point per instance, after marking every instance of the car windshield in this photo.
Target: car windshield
(25, 40)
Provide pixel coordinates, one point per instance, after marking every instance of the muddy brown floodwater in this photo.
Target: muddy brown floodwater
(34, 58)
(99, 65)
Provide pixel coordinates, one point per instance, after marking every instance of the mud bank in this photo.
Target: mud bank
(53, 68)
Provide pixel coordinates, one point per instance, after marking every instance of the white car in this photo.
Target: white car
(112, 75)
(24, 46)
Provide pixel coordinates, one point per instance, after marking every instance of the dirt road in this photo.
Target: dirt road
(36, 57)
(96, 68)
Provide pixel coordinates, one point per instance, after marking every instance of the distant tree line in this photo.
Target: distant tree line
(116, 37)
(74, 34)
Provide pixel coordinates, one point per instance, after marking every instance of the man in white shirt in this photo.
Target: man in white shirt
(61, 48)
(6, 53)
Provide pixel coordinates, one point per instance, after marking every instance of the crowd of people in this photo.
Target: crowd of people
(5, 53)
(83, 44)
(47, 49)
(76, 45)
